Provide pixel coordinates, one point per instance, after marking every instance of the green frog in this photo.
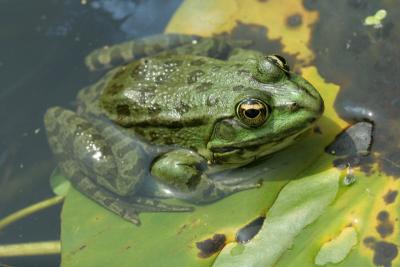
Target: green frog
(173, 112)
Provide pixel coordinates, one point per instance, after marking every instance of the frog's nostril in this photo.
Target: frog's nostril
(321, 107)
(312, 120)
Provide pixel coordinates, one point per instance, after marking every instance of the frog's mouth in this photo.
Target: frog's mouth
(247, 152)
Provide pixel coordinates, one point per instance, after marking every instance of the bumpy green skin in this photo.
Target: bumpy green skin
(159, 125)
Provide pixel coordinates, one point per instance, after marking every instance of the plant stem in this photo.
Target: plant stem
(30, 210)
(31, 249)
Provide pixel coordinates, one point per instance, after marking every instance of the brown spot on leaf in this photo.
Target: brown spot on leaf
(390, 196)
(384, 252)
(210, 246)
(385, 226)
(294, 20)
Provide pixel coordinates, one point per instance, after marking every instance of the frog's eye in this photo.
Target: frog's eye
(279, 61)
(252, 112)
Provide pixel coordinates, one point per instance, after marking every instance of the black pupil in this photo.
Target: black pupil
(252, 113)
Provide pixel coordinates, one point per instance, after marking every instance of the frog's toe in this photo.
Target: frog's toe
(131, 216)
(143, 204)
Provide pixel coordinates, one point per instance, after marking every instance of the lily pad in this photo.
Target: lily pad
(59, 183)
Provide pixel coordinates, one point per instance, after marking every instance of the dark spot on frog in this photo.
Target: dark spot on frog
(390, 196)
(155, 48)
(248, 231)
(262, 1)
(193, 182)
(384, 227)
(384, 252)
(136, 71)
(168, 140)
(82, 247)
(210, 246)
(193, 148)
(194, 76)
(204, 86)
(119, 73)
(212, 101)
(161, 78)
(197, 62)
(123, 110)
(215, 68)
(115, 88)
(243, 72)
(294, 20)
(153, 135)
(154, 109)
(225, 130)
(182, 108)
(238, 88)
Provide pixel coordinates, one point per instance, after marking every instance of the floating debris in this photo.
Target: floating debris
(376, 20)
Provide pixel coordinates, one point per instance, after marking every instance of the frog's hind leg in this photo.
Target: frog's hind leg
(128, 210)
(220, 47)
(110, 56)
(88, 160)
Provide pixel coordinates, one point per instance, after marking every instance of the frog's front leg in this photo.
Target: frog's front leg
(114, 55)
(185, 171)
(102, 163)
(177, 44)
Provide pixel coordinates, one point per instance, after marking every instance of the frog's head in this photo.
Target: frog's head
(267, 116)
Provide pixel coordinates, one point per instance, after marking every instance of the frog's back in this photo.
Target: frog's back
(172, 91)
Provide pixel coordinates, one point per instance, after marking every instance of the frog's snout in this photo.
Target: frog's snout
(313, 101)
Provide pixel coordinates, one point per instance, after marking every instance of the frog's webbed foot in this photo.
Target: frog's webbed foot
(184, 172)
(128, 207)
(114, 55)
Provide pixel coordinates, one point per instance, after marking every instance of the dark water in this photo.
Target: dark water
(42, 47)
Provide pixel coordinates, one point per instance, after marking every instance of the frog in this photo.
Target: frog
(170, 114)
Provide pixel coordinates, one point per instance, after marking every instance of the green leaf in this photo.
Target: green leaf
(59, 183)
(299, 203)
(338, 248)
